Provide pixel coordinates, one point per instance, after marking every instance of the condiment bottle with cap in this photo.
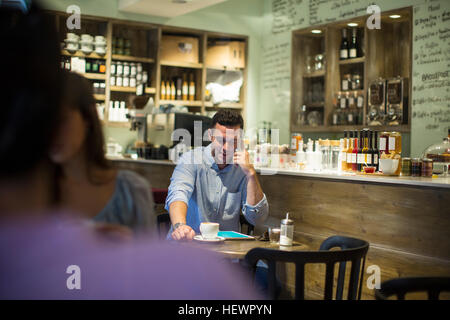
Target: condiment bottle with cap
(287, 231)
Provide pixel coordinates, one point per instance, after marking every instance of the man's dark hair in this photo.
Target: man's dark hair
(228, 118)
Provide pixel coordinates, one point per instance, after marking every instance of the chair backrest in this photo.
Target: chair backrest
(163, 224)
(401, 286)
(353, 250)
(244, 223)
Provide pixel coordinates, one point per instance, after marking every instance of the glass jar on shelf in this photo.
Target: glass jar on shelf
(440, 154)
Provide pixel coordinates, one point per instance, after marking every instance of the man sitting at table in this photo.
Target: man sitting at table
(211, 184)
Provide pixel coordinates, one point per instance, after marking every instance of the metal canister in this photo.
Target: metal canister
(287, 231)
(427, 167)
(406, 167)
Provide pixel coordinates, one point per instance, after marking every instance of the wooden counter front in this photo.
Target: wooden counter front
(407, 225)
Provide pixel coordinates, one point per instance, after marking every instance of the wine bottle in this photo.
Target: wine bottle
(375, 152)
(185, 88)
(355, 152)
(343, 50)
(353, 47)
(163, 90)
(191, 88)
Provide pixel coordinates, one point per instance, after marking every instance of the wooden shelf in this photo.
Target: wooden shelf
(131, 89)
(100, 97)
(94, 76)
(182, 64)
(342, 128)
(315, 104)
(80, 54)
(352, 61)
(315, 74)
(226, 105)
(132, 59)
(117, 124)
(195, 103)
(225, 68)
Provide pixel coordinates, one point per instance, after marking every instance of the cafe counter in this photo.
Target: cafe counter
(406, 220)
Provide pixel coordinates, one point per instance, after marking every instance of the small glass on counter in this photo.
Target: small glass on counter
(416, 167)
(427, 167)
(406, 167)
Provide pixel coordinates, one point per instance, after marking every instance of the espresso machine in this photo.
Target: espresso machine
(169, 128)
(376, 107)
(396, 101)
(138, 120)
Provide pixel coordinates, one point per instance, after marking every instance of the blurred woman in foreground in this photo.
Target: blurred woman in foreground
(88, 183)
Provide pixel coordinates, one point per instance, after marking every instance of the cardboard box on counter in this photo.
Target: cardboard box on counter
(226, 53)
(179, 49)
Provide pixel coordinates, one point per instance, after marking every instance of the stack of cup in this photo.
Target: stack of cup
(72, 42)
(87, 45)
(100, 45)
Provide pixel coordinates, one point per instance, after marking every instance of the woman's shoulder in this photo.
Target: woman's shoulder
(133, 179)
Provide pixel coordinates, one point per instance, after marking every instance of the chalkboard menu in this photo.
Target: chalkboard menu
(431, 74)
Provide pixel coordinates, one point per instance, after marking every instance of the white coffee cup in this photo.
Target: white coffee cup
(209, 230)
(73, 37)
(86, 38)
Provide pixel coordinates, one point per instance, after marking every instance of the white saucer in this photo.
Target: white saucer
(215, 240)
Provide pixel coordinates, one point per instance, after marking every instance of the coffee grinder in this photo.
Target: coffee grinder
(396, 101)
(376, 107)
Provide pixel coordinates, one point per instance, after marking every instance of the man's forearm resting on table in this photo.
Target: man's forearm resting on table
(177, 212)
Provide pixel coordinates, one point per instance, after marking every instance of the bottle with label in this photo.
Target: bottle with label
(369, 148)
(343, 154)
(375, 150)
(168, 89)
(353, 47)
(366, 159)
(383, 145)
(163, 90)
(179, 88)
(350, 151)
(185, 88)
(355, 152)
(343, 49)
(346, 82)
(173, 91)
(191, 87)
(360, 154)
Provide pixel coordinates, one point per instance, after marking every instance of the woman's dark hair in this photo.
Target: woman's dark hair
(227, 118)
(78, 95)
(30, 90)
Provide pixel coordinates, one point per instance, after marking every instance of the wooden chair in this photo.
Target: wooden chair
(352, 249)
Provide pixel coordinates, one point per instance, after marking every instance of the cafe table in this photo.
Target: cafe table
(237, 249)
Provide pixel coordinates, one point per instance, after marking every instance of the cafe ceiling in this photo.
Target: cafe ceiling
(165, 8)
